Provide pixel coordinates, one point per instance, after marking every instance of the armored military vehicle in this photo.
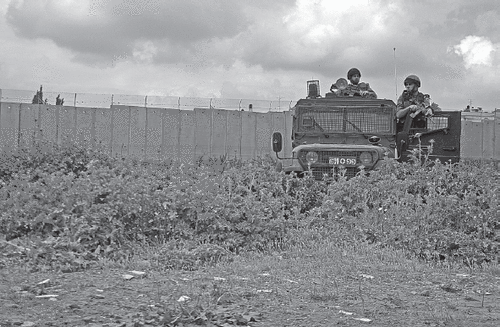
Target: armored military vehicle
(343, 131)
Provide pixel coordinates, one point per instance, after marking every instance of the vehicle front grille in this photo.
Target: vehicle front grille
(322, 167)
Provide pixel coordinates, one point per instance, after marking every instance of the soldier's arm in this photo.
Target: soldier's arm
(366, 91)
(400, 113)
(403, 111)
(370, 93)
(427, 104)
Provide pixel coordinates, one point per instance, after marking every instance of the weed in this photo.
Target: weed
(72, 207)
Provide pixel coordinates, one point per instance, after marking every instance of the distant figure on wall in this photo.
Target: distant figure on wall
(38, 97)
(59, 101)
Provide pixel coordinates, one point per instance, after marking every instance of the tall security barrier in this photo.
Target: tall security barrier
(480, 138)
(146, 133)
(164, 133)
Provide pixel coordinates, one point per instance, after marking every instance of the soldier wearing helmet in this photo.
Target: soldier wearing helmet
(355, 87)
(412, 101)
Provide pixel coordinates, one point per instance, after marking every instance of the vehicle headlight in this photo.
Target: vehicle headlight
(366, 158)
(312, 157)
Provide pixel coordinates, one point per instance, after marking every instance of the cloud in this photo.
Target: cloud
(145, 51)
(328, 37)
(488, 23)
(240, 48)
(319, 36)
(475, 50)
(109, 28)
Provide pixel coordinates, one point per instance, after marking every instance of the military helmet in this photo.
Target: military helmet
(413, 79)
(353, 71)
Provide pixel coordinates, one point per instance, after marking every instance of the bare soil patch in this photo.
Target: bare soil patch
(314, 287)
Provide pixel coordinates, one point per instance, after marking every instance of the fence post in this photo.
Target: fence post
(495, 153)
(74, 101)
(146, 101)
(482, 137)
(19, 126)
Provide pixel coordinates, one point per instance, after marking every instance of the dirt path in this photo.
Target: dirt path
(258, 292)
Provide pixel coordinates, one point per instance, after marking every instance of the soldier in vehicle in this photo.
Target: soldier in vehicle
(412, 102)
(355, 87)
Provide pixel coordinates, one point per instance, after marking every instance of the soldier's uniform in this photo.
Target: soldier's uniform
(418, 98)
(360, 89)
(406, 99)
(355, 90)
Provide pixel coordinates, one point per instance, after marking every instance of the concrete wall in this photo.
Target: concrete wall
(480, 138)
(185, 135)
(146, 133)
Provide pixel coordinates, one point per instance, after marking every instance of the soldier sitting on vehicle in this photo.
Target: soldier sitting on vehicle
(412, 102)
(355, 88)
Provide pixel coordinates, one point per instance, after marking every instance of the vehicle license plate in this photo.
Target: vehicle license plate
(342, 161)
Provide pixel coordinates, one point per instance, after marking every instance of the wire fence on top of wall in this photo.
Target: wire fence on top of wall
(92, 100)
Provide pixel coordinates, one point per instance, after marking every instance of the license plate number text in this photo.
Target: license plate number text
(341, 161)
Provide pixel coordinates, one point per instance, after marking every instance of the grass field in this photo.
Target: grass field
(87, 240)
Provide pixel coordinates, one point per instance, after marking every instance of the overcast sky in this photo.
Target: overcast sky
(257, 49)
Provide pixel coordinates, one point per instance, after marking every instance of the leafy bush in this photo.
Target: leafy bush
(105, 207)
(49, 157)
(77, 205)
(436, 211)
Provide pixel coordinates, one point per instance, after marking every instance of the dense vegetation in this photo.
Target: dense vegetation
(71, 206)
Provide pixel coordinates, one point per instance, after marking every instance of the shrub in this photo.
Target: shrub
(436, 211)
(44, 156)
(105, 207)
(88, 205)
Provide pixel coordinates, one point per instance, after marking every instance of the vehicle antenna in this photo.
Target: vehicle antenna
(395, 74)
